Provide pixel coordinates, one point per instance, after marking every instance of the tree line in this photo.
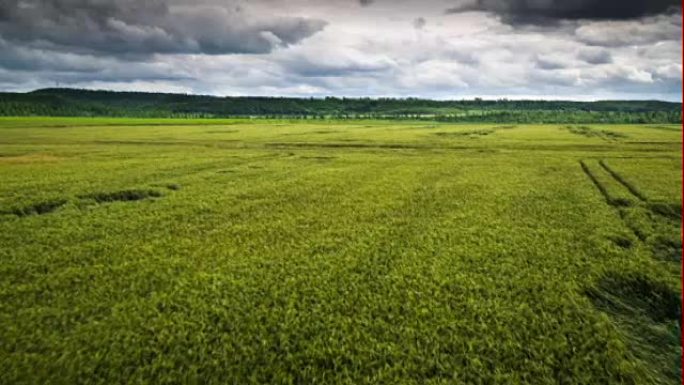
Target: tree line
(75, 102)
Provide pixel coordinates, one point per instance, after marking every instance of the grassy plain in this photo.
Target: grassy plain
(358, 252)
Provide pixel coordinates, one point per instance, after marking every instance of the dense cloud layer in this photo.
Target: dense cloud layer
(535, 11)
(580, 49)
(152, 26)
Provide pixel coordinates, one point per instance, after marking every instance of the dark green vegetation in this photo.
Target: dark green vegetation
(71, 102)
(338, 252)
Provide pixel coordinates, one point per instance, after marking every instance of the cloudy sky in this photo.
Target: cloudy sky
(446, 49)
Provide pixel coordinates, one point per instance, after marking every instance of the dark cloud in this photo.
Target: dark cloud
(595, 56)
(115, 76)
(67, 68)
(548, 11)
(365, 3)
(419, 22)
(645, 31)
(147, 27)
(23, 59)
(4, 12)
(549, 64)
(342, 63)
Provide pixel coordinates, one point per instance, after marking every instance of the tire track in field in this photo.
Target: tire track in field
(662, 209)
(620, 179)
(610, 200)
(645, 308)
(651, 222)
(594, 180)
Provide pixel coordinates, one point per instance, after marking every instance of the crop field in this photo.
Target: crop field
(338, 252)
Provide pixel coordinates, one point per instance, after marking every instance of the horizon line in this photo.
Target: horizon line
(322, 96)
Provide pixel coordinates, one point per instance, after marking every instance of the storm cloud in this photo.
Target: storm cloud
(147, 27)
(545, 11)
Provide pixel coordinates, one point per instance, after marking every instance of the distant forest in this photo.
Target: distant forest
(74, 102)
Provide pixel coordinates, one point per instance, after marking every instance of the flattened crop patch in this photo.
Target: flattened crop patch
(648, 313)
(669, 210)
(591, 132)
(30, 158)
(469, 133)
(636, 295)
(222, 132)
(319, 158)
(123, 195)
(39, 208)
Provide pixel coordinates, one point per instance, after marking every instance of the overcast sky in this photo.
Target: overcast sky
(446, 49)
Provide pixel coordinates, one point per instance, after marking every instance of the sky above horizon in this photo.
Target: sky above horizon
(442, 49)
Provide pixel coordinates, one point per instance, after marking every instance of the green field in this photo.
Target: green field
(272, 252)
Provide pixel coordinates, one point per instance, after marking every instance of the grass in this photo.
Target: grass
(337, 253)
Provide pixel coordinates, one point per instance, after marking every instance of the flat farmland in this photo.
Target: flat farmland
(338, 252)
